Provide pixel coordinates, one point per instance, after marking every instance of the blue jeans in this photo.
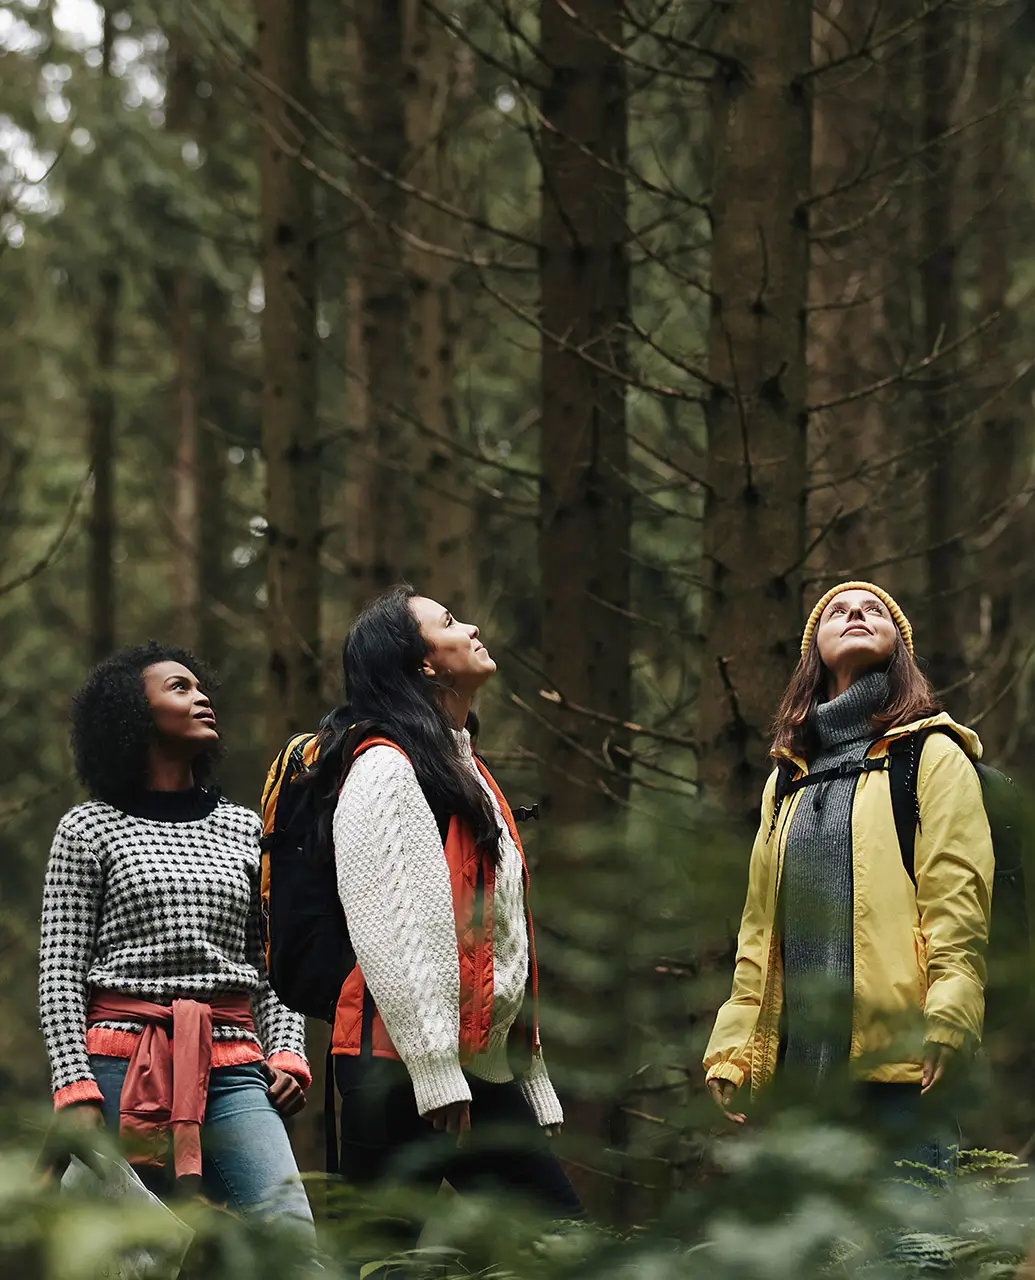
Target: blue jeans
(247, 1161)
(912, 1128)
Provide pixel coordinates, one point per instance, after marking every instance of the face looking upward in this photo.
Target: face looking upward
(856, 634)
(455, 657)
(183, 717)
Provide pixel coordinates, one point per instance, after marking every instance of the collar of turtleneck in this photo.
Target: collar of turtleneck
(463, 743)
(849, 717)
(189, 805)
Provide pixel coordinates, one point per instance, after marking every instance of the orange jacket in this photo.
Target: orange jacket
(472, 877)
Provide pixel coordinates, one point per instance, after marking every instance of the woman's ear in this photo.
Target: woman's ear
(426, 669)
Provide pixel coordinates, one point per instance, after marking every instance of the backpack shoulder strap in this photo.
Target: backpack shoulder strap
(289, 762)
(367, 743)
(903, 774)
(785, 772)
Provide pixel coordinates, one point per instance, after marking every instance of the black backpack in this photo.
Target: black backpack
(1008, 992)
(305, 934)
(308, 952)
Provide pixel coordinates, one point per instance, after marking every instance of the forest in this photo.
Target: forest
(623, 328)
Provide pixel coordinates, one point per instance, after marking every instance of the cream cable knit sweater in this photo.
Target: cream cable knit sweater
(394, 886)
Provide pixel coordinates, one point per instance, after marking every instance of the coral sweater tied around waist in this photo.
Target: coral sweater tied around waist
(166, 1086)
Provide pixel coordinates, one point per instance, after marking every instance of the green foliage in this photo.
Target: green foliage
(801, 1201)
(636, 941)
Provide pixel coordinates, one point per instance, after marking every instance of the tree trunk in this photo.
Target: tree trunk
(102, 517)
(380, 503)
(211, 469)
(185, 478)
(848, 345)
(435, 81)
(1004, 545)
(584, 497)
(584, 524)
(289, 433)
(903, 484)
(289, 425)
(219, 405)
(943, 641)
(755, 508)
(180, 295)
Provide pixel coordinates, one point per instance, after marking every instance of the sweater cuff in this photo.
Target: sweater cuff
(437, 1081)
(542, 1098)
(293, 1064)
(81, 1091)
(725, 1071)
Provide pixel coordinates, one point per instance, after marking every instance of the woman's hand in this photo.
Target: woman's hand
(454, 1118)
(938, 1059)
(286, 1094)
(83, 1115)
(722, 1092)
(553, 1130)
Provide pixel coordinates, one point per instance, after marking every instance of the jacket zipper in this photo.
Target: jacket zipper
(478, 929)
(768, 996)
(851, 836)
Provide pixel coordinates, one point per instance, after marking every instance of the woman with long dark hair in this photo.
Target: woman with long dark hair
(840, 948)
(158, 1017)
(436, 1030)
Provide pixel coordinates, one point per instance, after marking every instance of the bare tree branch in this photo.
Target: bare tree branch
(53, 550)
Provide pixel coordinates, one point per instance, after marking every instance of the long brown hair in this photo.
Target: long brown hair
(910, 697)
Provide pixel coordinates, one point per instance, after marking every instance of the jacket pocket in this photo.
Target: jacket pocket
(920, 947)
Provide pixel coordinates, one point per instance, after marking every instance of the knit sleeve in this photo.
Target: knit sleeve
(540, 1094)
(394, 885)
(72, 895)
(281, 1031)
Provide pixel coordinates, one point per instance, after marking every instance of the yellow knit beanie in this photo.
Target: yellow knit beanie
(900, 619)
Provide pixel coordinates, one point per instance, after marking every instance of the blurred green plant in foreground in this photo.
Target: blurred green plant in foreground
(636, 948)
(790, 1200)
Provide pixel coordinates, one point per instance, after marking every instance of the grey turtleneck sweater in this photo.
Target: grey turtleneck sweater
(816, 889)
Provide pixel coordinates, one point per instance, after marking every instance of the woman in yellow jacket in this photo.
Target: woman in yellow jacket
(840, 956)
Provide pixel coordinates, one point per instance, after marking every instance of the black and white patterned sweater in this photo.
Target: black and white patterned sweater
(158, 903)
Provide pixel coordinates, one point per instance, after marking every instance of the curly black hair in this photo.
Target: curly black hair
(112, 725)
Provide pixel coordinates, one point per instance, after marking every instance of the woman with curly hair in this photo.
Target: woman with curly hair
(840, 948)
(158, 1017)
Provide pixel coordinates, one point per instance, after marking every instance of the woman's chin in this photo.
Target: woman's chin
(859, 656)
(868, 660)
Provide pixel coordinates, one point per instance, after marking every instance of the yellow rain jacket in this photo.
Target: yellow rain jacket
(916, 951)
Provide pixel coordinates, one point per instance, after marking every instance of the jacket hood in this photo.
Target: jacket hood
(967, 738)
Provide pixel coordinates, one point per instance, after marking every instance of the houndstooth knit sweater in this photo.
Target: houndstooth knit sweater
(162, 903)
(394, 885)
